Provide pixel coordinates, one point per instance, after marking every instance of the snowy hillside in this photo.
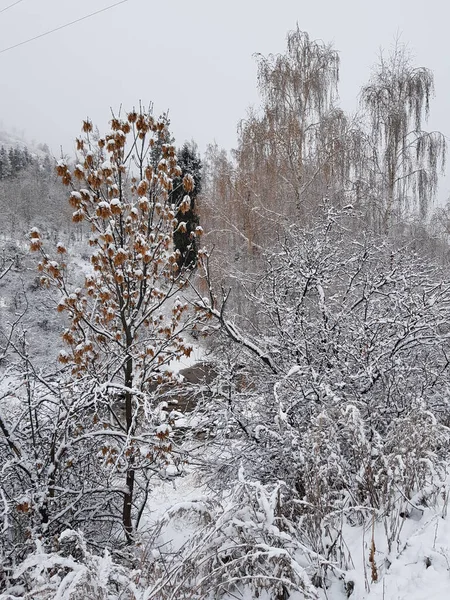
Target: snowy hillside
(10, 140)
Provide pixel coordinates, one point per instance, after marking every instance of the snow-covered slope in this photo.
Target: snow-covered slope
(14, 139)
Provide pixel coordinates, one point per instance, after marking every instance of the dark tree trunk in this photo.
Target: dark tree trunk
(130, 473)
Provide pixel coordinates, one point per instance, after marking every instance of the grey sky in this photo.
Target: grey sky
(192, 57)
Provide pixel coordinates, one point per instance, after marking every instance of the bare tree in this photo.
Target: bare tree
(278, 151)
(405, 160)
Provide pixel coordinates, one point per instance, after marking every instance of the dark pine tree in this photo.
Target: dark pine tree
(5, 164)
(184, 240)
(19, 159)
(166, 139)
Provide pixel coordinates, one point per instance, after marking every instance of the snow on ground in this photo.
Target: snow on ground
(169, 496)
(417, 568)
(169, 493)
(421, 570)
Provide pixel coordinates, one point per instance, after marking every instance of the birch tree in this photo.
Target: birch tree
(405, 159)
(277, 154)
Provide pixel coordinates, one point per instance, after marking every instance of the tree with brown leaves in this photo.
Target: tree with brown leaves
(127, 321)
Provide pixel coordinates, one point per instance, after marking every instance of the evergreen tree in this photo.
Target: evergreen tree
(19, 159)
(184, 238)
(27, 157)
(5, 164)
(13, 159)
(165, 138)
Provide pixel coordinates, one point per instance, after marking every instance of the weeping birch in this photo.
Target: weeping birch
(405, 159)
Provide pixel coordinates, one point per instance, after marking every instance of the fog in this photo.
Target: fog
(195, 59)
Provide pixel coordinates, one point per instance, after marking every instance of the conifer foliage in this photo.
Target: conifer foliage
(186, 237)
(126, 322)
(13, 161)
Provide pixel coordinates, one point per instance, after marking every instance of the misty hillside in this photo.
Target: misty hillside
(10, 140)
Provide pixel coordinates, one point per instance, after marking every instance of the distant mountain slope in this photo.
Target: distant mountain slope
(14, 139)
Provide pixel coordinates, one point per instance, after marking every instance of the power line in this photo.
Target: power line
(61, 26)
(11, 5)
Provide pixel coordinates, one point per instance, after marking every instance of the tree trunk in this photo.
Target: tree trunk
(130, 473)
(127, 503)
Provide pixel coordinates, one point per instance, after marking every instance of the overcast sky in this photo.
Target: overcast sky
(193, 57)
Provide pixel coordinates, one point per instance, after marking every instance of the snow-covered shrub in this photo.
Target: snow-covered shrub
(414, 450)
(335, 457)
(245, 543)
(348, 377)
(71, 573)
(352, 471)
(60, 459)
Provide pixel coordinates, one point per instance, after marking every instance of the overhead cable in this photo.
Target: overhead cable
(62, 26)
(11, 5)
